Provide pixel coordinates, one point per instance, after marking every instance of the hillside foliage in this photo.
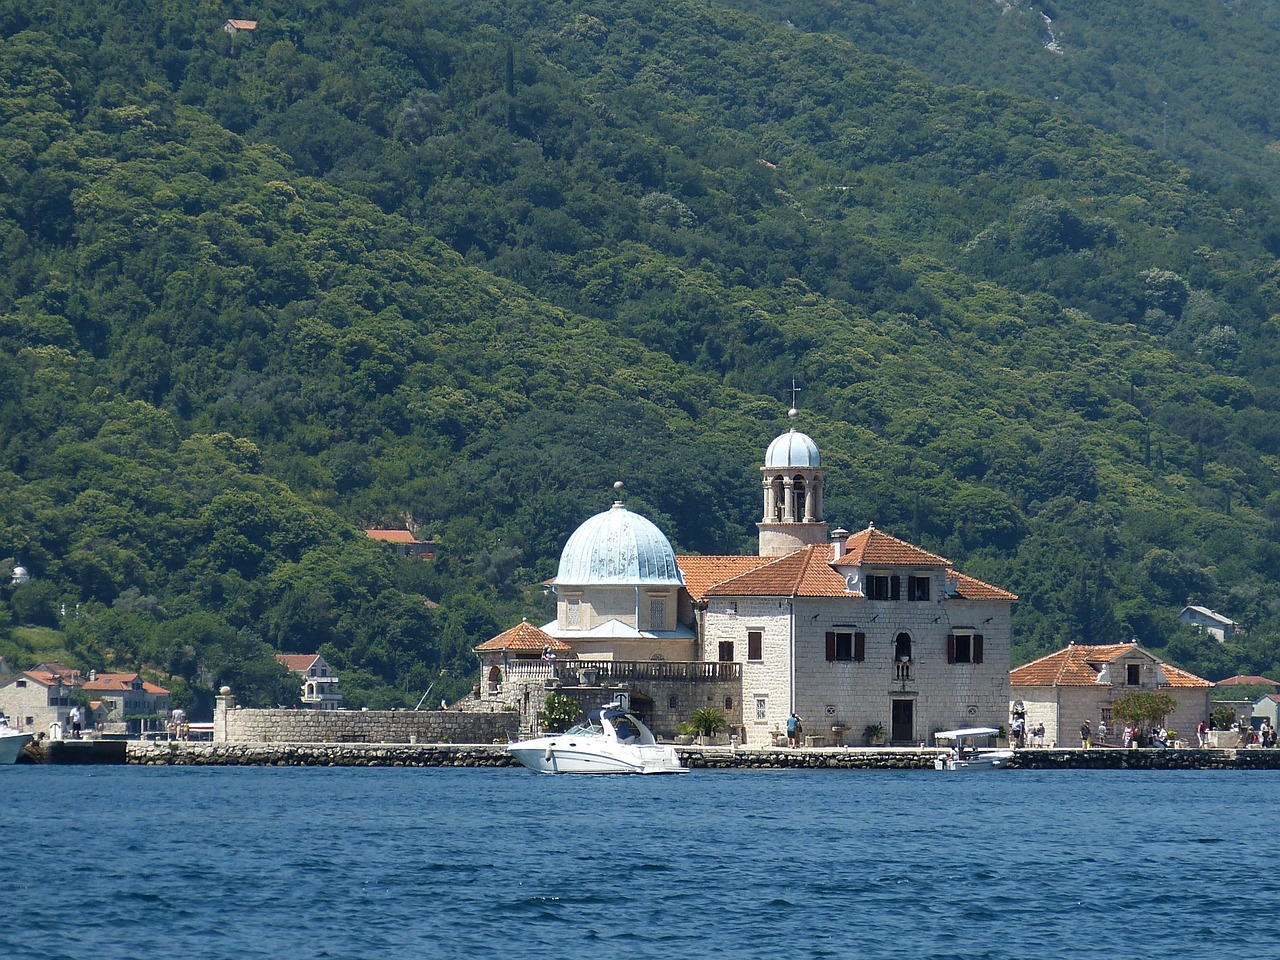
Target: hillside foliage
(465, 264)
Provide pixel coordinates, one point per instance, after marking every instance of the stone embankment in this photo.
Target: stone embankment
(180, 753)
(698, 758)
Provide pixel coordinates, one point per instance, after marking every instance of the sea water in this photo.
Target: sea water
(378, 863)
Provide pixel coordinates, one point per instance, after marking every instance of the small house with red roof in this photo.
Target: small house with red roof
(403, 543)
(517, 662)
(235, 26)
(1080, 682)
(127, 702)
(319, 681)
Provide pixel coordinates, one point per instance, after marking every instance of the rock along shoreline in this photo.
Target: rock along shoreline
(279, 754)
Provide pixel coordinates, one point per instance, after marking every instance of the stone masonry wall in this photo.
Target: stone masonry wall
(233, 724)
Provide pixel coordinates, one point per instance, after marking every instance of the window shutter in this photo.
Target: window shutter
(977, 648)
(859, 647)
(895, 587)
(951, 648)
(831, 645)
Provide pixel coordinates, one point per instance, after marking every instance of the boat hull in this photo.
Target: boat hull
(985, 761)
(11, 744)
(551, 757)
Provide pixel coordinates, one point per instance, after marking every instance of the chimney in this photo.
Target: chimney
(838, 537)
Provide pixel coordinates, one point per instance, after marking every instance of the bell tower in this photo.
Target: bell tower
(792, 482)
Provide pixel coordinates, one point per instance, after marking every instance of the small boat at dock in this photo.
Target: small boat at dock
(964, 753)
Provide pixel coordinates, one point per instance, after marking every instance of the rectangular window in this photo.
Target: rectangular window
(846, 647)
(761, 708)
(878, 588)
(726, 651)
(755, 645)
(1133, 674)
(917, 588)
(964, 648)
(657, 614)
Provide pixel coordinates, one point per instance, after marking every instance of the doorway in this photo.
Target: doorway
(902, 724)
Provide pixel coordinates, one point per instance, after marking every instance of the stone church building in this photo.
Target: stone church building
(849, 631)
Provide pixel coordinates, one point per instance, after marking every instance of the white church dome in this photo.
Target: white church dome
(792, 449)
(617, 547)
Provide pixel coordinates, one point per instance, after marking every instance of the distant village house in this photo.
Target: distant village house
(319, 682)
(1210, 621)
(240, 26)
(404, 543)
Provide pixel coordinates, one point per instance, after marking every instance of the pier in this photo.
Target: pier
(283, 754)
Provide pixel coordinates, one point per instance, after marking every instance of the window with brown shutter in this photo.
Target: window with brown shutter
(859, 647)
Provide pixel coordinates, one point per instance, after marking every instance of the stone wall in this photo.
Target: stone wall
(183, 753)
(232, 724)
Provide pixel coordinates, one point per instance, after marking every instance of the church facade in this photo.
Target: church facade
(852, 632)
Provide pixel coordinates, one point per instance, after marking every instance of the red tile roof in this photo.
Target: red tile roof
(872, 547)
(120, 683)
(1078, 666)
(701, 573)
(392, 536)
(808, 572)
(971, 588)
(805, 573)
(1247, 681)
(298, 662)
(524, 636)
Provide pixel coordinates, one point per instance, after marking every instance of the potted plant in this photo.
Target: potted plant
(687, 732)
(874, 732)
(709, 721)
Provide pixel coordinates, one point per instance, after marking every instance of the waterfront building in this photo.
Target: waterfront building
(1081, 682)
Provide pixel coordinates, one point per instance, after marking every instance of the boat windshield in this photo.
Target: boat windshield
(584, 730)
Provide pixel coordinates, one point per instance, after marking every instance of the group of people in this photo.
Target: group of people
(1025, 735)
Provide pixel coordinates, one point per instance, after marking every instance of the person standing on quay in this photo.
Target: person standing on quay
(1086, 735)
(794, 730)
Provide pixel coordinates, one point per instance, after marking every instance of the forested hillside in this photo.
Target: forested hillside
(1186, 79)
(465, 264)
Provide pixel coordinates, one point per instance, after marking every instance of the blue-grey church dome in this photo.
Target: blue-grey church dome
(617, 547)
(792, 450)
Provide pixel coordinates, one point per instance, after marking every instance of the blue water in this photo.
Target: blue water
(175, 863)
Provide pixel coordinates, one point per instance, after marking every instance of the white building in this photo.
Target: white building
(1210, 621)
(319, 682)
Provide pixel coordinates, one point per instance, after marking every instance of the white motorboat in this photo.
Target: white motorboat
(964, 753)
(11, 743)
(611, 741)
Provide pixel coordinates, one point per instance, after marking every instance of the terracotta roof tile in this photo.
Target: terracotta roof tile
(524, 636)
(701, 573)
(392, 536)
(971, 588)
(1078, 666)
(1247, 681)
(872, 547)
(298, 662)
(805, 573)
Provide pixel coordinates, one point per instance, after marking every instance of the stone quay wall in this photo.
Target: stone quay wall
(233, 724)
(184, 753)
